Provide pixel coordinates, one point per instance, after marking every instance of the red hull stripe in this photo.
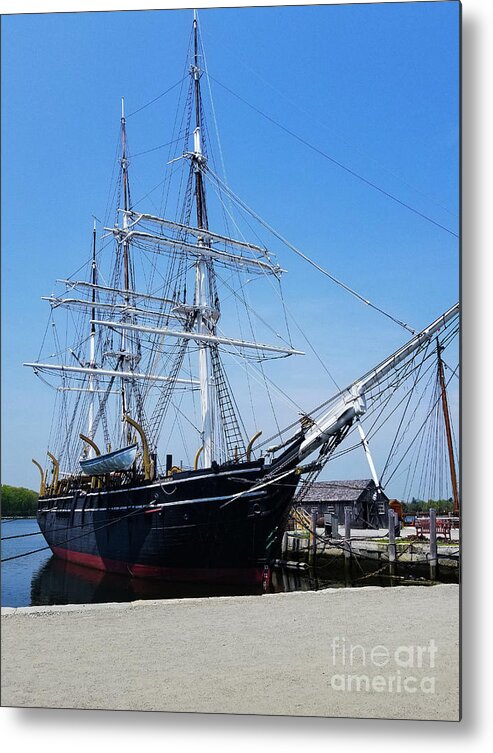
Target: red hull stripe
(250, 575)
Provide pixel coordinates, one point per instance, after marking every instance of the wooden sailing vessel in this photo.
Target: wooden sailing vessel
(224, 517)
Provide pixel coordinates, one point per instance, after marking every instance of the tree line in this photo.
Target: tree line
(18, 502)
(442, 506)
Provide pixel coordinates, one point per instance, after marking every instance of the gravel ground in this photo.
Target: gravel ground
(340, 652)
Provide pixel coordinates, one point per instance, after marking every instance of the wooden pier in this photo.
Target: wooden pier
(432, 541)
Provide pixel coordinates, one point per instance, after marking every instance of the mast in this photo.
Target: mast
(124, 165)
(448, 429)
(125, 356)
(92, 340)
(202, 303)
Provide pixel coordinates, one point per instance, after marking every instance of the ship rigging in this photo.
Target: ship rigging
(149, 355)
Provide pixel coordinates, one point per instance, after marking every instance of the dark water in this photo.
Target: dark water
(41, 579)
(17, 575)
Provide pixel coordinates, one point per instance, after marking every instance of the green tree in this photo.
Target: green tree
(442, 506)
(18, 502)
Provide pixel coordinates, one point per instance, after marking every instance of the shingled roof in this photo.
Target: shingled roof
(338, 491)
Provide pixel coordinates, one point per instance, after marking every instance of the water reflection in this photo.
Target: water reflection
(60, 582)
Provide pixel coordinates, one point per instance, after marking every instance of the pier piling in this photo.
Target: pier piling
(433, 557)
(347, 533)
(392, 550)
(392, 546)
(313, 536)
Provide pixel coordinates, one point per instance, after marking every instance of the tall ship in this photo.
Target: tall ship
(158, 322)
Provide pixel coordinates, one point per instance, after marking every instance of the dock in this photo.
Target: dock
(374, 545)
(335, 652)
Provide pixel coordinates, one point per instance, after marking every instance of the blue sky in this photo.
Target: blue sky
(374, 86)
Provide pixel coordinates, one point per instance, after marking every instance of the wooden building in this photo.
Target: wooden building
(368, 506)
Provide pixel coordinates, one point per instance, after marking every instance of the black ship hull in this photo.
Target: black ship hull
(191, 527)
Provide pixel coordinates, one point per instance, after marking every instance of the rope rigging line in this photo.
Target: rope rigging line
(336, 162)
(420, 428)
(151, 102)
(21, 535)
(182, 128)
(278, 292)
(395, 444)
(410, 367)
(314, 119)
(372, 430)
(242, 285)
(207, 171)
(155, 148)
(38, 533)
(73, 538)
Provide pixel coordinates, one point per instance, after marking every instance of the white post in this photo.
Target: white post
(433, 557)
(284, 545)
(369, 458)
(196, 142)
